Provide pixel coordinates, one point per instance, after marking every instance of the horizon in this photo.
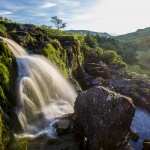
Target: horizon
(97, 16)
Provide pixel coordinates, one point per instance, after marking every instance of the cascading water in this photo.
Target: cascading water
(43, 93)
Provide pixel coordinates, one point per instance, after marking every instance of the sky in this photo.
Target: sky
(112, 16)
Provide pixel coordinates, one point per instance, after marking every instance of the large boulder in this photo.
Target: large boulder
(103, 119)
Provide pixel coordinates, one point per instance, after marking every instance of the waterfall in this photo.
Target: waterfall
(42, 92)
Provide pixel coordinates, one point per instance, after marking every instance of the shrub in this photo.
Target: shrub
(29, 41)
(99, 51)
(90, 41)
(111, 57)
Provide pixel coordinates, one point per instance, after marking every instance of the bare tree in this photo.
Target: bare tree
(58, 23)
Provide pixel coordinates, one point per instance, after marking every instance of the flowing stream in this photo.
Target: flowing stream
(141, 125)
(42, 93)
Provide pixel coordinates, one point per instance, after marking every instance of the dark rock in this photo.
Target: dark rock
(134, 136)
(83, 78)
(97, 69)
(63, 126)
(75, 84)
(138, 90)
(65, 139)
(146, 145)
(104, 118)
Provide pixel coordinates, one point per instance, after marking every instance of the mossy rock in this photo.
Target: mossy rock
(6, 100)
(4, 75)
(4, 135)
(3, 31)
(55, 56)
(5, 54)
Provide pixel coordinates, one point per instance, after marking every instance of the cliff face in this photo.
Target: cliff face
(7, 101)
(77, 57)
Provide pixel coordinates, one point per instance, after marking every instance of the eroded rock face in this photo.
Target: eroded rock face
(103, 118)
(101, 74)
(138, 90)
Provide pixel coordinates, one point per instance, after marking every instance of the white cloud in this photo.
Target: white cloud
(48, 5)
(39, 14)
(113, 16)
(3, 13)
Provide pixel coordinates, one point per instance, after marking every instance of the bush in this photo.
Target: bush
(99, 51)
(29, 41)
(52, 32)
(91, 41)
(111, 57)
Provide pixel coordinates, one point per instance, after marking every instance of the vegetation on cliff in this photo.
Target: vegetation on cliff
(90, 58)
(5, 83)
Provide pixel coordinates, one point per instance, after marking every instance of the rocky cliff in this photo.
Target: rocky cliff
(106, 106)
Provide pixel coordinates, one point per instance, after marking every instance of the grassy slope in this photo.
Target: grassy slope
(141, 43)
(140, 38)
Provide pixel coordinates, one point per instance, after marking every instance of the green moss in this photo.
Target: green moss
(2, 95)
(91, 41)
(3, 30)
(65, 37)
(56, 44)
(29, 41)
(4, 136)
(52, 32)
(5, 54)
(56, 57)
(19, 144)
(4, 75)
(78, 55)
(6, 59)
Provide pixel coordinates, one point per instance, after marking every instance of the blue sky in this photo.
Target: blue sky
(113, 16)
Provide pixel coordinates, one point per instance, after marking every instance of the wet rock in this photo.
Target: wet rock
(63, 126)
(65, 139)
(146, 145)
(66, 142)
(103, 118)
(134, 136)
(75, 84)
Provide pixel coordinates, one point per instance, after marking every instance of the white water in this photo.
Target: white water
(43, 93)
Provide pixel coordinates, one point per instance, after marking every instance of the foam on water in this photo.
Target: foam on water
(42, 92)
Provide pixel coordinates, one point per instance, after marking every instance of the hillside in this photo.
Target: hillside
(85, 32)
(140, 39)
(33, 87)
(140, 44)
